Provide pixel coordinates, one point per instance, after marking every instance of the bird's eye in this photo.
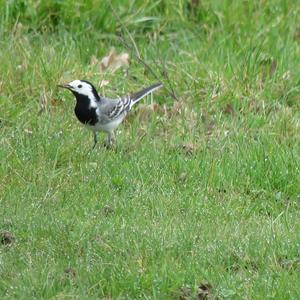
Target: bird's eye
(80, 86)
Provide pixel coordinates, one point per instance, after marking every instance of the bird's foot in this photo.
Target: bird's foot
(110, 142)
(109, 145)
(94, 146)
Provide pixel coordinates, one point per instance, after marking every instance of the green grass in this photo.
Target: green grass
(204, 190)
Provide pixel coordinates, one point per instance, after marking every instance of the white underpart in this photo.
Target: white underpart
(108, 127)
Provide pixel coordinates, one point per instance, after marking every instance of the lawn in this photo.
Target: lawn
(200, 197)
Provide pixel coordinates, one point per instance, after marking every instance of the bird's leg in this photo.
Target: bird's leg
(110, 140)
(95, 139)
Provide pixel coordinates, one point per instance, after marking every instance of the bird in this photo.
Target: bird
(99, 113)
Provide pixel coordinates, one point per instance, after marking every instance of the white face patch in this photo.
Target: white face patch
(84, 88)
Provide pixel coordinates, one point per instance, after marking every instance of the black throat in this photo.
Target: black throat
(83, 111)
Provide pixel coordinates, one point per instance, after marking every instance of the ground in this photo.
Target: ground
(200, 196)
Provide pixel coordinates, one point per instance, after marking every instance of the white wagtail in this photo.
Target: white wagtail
(103, 114)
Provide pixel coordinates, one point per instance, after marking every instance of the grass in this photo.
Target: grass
(204, 191)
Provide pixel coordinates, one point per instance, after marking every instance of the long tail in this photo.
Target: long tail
(136, 97)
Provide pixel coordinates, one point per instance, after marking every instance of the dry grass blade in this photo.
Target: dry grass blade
(43, 101)
(163, 73)
(137, 53)
(134, 52)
